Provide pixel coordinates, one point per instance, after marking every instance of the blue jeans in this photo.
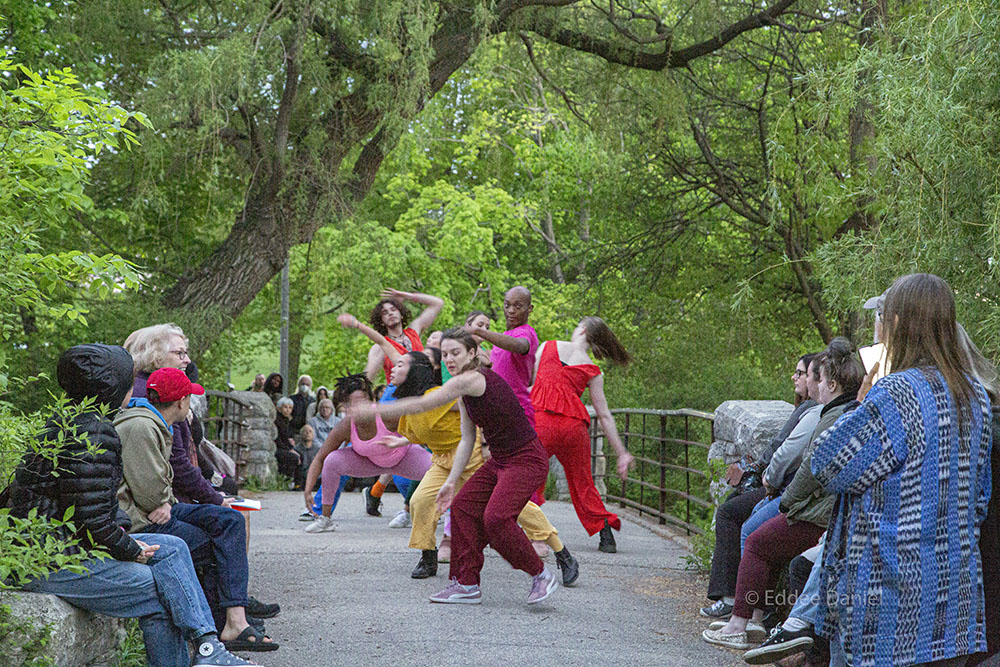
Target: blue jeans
(216, 536)
(163, 594)
(318, 496)
(765, 510)
(807, 603)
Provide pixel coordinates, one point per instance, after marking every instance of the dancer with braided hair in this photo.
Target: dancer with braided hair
(366, 457)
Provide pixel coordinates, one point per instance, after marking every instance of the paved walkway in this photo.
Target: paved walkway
(347, 598)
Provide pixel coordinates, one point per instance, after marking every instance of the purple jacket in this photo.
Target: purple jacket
(190, 486)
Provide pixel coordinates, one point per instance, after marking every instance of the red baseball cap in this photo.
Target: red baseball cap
(171, 384)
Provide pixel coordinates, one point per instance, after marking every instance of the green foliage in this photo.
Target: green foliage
(51, 134)
(132, 652)
(934, 177)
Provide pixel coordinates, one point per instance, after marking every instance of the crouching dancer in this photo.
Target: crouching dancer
(215, 535)
(149, 577)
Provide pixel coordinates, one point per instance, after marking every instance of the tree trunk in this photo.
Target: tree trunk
(285, 206)
(550, 240)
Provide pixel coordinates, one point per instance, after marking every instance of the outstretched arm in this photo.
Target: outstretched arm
(504, 342)
(349, 321)
(608, 426)
(426, 318)
(468, 383)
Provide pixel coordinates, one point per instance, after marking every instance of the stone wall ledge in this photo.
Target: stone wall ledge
(79, 638)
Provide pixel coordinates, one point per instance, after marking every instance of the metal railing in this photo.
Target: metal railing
(663, 477)
(225, 426)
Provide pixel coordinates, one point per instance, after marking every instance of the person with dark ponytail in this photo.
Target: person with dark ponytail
(563, 370)
(804, 507)
(485, 511)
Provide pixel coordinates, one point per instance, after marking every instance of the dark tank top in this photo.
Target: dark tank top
(498, 412)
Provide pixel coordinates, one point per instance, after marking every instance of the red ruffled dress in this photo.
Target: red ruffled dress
(563, 426)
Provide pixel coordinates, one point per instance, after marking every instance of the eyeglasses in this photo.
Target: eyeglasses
(181, 354)
(797, 374)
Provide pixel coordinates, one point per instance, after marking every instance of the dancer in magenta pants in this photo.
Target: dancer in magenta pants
(485, 511)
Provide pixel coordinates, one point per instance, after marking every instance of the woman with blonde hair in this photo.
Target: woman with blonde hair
(162, 346)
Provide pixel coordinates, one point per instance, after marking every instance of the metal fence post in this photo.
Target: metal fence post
(663, 468)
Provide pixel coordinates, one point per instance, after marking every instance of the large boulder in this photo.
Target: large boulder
(78, 638)
(744, 428)
(259, 433)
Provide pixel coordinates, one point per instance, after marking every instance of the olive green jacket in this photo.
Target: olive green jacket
(804, 499)
(147, 480)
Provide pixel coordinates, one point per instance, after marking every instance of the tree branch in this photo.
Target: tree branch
(667, 58)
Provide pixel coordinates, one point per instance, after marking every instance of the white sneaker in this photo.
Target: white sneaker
(401, 520)
(321, 524)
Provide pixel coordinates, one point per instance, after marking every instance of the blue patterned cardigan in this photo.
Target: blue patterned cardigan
(901, 570)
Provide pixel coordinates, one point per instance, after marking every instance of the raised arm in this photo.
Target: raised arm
(503, 341)
(426, 318)
(608, 426)
(381, 349)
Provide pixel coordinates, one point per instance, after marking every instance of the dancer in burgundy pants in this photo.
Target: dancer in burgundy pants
(563, 370)
(485, 511)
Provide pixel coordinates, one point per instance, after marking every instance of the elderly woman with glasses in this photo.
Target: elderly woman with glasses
(159, 346)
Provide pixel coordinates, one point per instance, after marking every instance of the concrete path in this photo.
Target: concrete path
(347, 598)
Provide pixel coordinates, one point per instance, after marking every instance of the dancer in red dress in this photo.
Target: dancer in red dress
(563, 370)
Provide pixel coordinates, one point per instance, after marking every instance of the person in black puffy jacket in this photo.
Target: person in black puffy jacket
(149, 577)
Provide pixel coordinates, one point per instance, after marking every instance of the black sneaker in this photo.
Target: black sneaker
(569, 566)
(372, 504)
(781, 644)
(718, 610)
(259, 609)
(607, 544)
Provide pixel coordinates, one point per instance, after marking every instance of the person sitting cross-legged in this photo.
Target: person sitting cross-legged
(215, 535)
(149, 577)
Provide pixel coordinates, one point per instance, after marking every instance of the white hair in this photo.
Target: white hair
(149, 346)
(284, 400)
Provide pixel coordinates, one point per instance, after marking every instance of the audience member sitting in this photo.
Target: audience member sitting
(258, 383)
(165, 345)
(215, 535)
(148, 576)
(324, 421)
(771, 547)
(739, 505)
(284, 442)
(301, 400)
(321, 393)
(274, 387)
(306, 448)
(902, 575)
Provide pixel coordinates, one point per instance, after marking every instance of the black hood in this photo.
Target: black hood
(101, 371)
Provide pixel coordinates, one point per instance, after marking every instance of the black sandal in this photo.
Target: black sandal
(243, 642)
